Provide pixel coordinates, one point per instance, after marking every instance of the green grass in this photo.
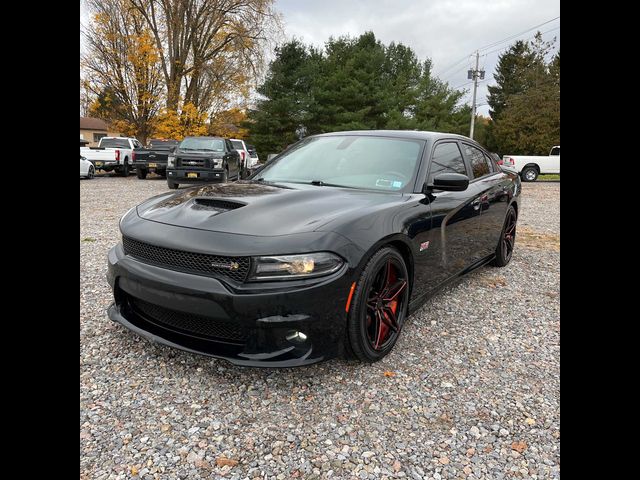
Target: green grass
(548, 178)
(88, 239)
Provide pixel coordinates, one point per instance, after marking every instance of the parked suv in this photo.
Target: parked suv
(203, 159)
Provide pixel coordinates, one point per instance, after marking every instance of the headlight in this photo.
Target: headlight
(285, 267)
(171, 161)
(217, 162)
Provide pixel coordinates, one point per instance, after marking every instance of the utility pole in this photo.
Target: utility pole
(474, 74)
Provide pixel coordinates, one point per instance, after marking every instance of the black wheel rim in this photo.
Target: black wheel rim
(386, 301)
(509, 235)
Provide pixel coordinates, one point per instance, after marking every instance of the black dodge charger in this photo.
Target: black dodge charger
(323, 252)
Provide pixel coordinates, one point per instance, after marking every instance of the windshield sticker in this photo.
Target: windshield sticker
(397, 184)
(383, 182)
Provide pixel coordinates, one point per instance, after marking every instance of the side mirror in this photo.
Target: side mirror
(450, 182)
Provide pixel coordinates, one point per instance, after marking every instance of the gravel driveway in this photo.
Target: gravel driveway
(471, 389)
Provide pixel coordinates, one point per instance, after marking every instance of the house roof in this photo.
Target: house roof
(89, 123)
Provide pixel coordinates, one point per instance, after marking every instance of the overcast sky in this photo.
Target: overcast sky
(444, 30)
(447, 31)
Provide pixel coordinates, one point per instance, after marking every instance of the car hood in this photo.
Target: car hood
(250, 208)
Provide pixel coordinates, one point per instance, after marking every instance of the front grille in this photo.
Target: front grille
(193, 162)
(189, 323)
(235, 268)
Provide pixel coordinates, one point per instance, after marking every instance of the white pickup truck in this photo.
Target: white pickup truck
(112, 154)
(529, 167)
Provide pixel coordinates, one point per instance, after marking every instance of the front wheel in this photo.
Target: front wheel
(172, 185)
(529, 174)
(142, 173)
(91, 172)
(504, 250)
(379, 306)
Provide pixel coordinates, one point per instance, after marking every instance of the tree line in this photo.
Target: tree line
(171, 68)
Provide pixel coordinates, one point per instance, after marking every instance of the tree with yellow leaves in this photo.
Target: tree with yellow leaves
(122, 68)
(179, 124)
(228, 123)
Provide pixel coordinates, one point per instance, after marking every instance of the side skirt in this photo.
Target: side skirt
(417, 302)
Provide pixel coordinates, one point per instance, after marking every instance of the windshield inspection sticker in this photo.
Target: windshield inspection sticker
(397, 184)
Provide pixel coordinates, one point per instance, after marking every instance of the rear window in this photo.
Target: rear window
(237, 144)
(163, 144)
(114, 143)
(555, 151)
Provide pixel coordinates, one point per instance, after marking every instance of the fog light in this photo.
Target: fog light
(295, 336)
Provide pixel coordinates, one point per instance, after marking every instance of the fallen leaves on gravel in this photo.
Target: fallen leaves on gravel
(519, 446)
(528, 238)
(222, 461)
(389, 374)
(529, 421)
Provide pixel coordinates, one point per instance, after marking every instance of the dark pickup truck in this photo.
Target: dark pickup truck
(203, 159)
(154, 158)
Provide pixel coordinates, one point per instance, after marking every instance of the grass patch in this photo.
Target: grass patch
(88, 239)
(549, 178)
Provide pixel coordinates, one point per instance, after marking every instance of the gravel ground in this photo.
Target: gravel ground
(471, 389)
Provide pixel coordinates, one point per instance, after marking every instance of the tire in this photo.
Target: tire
(529, 174)
(225, 176)
(504, 250)
(91, 172)
(141, 172)
(124, 170)
(172, 185)
(370, 334)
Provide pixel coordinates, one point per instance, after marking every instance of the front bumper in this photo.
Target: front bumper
(250, 328)
(181, 176)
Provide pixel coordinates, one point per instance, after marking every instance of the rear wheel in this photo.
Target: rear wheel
(91, 172)
(529, 174)
(504, 250)
(142, 173)
(124, 170)
(172, 185)
(379, 306)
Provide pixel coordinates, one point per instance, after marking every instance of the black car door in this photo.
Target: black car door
(492, 184)
(450, 246)
(231, 159)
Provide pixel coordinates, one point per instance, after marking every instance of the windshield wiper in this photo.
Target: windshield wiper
(321, 183)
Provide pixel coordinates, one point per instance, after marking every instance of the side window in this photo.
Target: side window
(229, 146)
(446, 159)
(492, 165)
(479, 164)
(555, 151)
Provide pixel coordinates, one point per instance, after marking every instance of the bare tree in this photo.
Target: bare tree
(204, 42)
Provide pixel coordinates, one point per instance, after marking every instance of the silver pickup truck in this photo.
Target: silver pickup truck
(112, 154)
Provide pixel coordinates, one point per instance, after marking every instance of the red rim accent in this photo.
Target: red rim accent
(353, 287)
(382, 305)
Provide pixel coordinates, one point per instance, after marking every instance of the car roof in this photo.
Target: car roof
(417, 134)
(205, 136)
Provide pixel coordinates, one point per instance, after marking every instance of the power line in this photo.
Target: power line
(505, 48)
(440, 72)
(452, 65)
(517, 34)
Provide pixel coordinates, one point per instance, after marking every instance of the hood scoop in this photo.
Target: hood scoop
(215, 205)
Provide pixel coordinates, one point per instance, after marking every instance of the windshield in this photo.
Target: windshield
(237, 144)
(114, 143)
(379, 163)
(203, 143)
